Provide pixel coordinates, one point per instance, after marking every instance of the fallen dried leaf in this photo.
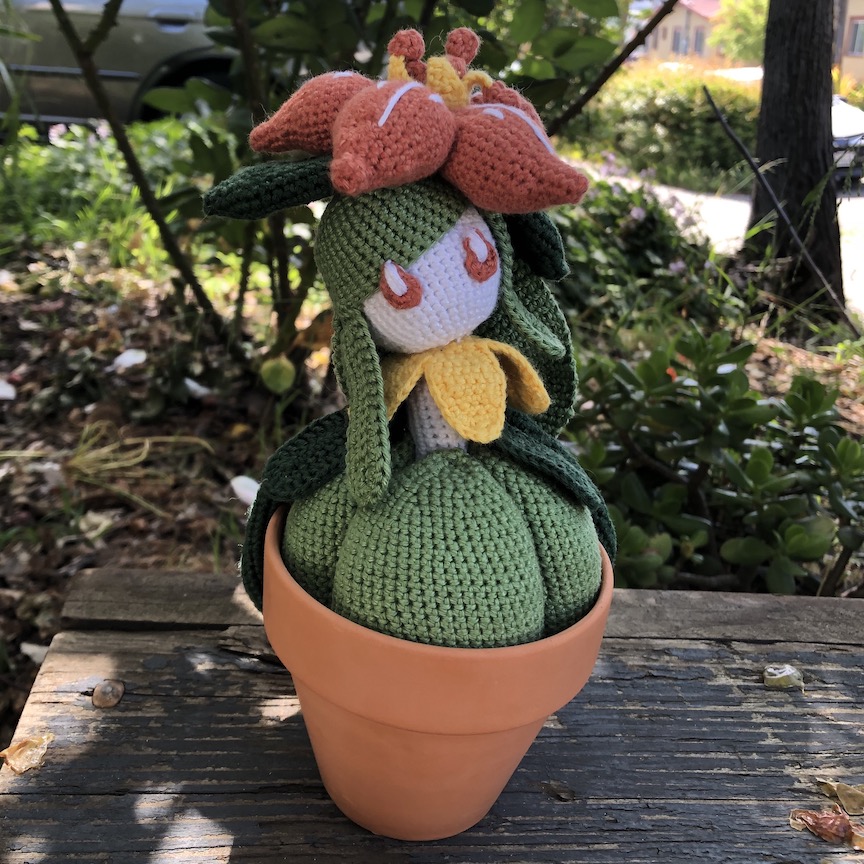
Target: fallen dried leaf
(196, 390)
(108, 693)
(36, 653)
(851, 798)
(784, 677)
(27, 753)
(128, 358)
(558, 791)
(245, 488)
(94, 524)
(833, 826)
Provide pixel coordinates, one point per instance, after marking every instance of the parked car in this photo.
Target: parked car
(155, 43)
(847, 126)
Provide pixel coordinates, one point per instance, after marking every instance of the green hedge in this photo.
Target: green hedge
(657, 118)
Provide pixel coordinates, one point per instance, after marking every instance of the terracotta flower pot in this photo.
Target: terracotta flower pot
(414, 741)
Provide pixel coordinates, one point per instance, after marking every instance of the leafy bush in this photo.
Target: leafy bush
(631, 265)
(712, 485)
(74, 188)
(657, 117)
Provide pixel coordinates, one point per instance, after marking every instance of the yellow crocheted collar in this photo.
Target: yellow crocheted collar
(471, 381)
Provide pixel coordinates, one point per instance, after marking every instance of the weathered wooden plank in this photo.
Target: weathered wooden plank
(147, 599)
(748, 617)
(674, 752)
(141, 599)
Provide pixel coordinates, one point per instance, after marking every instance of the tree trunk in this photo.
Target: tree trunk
(794, 144)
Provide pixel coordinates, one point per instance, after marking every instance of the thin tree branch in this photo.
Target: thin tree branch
(828, 586)
(103, 26)
(781, 212)
(252, 76)
(377, 56)
(249, 234)
(84, 55)
(426, 15)
(554, 126)
(649, 461)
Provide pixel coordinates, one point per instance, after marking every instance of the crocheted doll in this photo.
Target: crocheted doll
(439, 507)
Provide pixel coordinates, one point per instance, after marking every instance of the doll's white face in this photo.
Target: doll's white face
(444, 295)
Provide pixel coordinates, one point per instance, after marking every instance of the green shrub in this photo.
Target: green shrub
(713, 485)
(659, 118)
(75, 187)
(632, 267)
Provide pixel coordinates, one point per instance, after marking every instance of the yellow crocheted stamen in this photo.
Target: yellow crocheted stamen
(396, 69)
(444, 80)
(476, 78)
(471, 382)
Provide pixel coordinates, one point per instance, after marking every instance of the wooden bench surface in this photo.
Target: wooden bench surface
(674, 752)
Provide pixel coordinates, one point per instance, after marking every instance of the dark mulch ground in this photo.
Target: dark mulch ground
(108, 466)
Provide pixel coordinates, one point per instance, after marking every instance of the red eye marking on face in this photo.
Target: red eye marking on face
(400, 289)
(480, 269)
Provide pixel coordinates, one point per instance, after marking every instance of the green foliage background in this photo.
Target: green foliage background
(739, 30)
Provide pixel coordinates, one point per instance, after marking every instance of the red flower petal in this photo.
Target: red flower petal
(499, 92)
(305, 121)
(388, 135)
(503, 161)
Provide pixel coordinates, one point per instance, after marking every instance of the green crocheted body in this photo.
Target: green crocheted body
(467, 551)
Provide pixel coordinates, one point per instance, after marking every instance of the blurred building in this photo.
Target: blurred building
(684, 32)
(849, 47)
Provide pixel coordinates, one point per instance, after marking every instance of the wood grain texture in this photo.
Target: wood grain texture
(674, 752)
(147, 599)
(725, 616)
(140, 599)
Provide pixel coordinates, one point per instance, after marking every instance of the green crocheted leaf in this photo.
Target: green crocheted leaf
(526, 442)
(314, 530)
(537, 241)
(446, 558)
(565, 541)
(298, 468)
(259, 190)
(368, 456)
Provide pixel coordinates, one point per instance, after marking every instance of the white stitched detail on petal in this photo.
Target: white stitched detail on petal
(394, 99)
(495, 112)
(541, 135)
(346, 74)
(394, 280)
(380, 84)
(435, 97)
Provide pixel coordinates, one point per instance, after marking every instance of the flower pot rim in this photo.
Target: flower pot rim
(599, 610)
(424, 687)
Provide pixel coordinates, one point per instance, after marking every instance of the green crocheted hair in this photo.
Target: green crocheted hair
(357, 235)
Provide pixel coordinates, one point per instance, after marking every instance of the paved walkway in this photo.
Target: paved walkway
(724, 220)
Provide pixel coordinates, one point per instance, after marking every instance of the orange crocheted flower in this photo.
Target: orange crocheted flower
(484, 138)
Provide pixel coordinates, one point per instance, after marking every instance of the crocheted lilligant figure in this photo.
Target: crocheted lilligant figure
(439, 507)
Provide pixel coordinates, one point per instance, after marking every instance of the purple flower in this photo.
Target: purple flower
(677, 266)
(56, 132)
(637, 214)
